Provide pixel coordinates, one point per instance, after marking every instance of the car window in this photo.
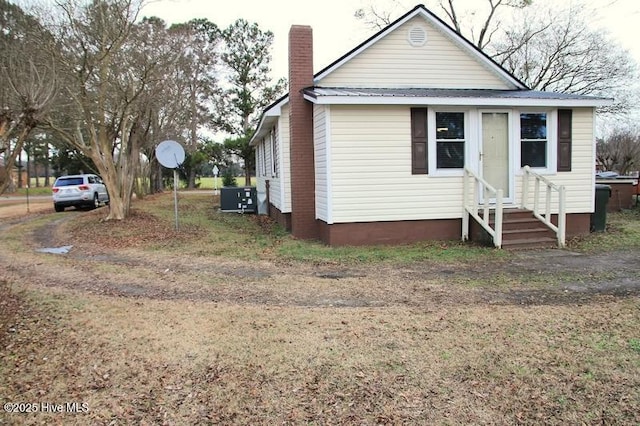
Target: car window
(69, 181)
(92, 179)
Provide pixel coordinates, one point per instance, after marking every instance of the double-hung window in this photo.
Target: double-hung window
(438, 140)
(450, 139)
(534, 140)
(274, 152)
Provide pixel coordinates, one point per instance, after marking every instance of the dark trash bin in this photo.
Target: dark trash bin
(599, 216)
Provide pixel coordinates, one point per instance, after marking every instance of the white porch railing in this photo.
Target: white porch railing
(472, 188)
(550, 190)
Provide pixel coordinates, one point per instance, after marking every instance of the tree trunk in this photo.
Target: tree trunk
(20, 168)
(192, 179)
(6, 182)
(28, 183)
(247, 175)
(35, 168)
(47, 181)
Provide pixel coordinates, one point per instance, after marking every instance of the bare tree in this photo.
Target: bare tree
(550, 47)
(620, 151)
(486, 17)
(112, 66)
(478, 23)
(197, 76)
(557, 50)
(27, 83)
(377, 17)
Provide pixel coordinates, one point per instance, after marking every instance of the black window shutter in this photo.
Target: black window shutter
(419, 141)
(564, 140)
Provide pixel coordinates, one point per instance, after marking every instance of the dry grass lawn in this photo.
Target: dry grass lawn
(146, 326)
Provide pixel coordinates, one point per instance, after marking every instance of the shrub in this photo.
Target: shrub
(228, 179)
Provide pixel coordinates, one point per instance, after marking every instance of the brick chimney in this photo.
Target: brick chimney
(303, 202)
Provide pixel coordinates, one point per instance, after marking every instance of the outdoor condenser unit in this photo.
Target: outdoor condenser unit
(238, 199)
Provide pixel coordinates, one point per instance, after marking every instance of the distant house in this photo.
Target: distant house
(376, 148)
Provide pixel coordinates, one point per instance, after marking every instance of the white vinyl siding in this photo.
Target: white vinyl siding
(371, 176)
(275, 147)
(580, 181)
(280, 186)
(371, 170)
(393, 62)
(320, 158)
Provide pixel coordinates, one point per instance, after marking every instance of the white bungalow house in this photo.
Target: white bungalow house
(416, 134)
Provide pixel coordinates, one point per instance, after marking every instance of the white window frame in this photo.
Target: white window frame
(552, 140)
(274, 152)
(263, 147)
(432, 143)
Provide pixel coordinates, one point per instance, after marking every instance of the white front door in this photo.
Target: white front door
(494, 154)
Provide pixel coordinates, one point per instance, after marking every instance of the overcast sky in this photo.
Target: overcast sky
(336, 31)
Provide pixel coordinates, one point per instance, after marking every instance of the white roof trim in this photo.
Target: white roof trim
(462, 101)
(443, 28)
(269, 116)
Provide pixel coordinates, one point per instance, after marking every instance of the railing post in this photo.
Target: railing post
(525, 187)
(485, 204)
(497, 240)
(465, 200)
(536, 196)
(562, 218)
(547, 212)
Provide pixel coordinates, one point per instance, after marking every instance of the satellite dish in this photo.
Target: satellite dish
(170, 154)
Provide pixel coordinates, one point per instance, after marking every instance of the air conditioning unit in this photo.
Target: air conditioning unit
(238, 199)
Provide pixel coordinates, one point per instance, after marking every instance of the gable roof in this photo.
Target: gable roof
(520, 92)
(461, 41)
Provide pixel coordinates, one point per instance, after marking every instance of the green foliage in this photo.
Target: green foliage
(431, 251)
(246, 57)
(240, 147)
(634, 344)
(193, 163)
(215, 152)
(69, 160)
(622, 233)
(228, 179)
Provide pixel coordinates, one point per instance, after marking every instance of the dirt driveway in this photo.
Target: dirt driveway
(139, 335)
(541, 277)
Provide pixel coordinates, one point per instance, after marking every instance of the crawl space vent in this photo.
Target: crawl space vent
(417, 36)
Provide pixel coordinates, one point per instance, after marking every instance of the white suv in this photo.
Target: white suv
(79, 191)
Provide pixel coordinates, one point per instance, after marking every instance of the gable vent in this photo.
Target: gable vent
(417, 36)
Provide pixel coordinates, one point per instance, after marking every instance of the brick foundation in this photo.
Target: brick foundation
(284, 219)
(389, 233)
(412, 231)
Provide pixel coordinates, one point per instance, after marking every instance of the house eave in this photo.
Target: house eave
(268, 119)
(461, 101)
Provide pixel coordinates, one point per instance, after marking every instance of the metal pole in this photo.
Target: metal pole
(175, 194)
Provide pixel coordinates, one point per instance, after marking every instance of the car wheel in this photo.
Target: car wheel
(58, 208)
(96, 201)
